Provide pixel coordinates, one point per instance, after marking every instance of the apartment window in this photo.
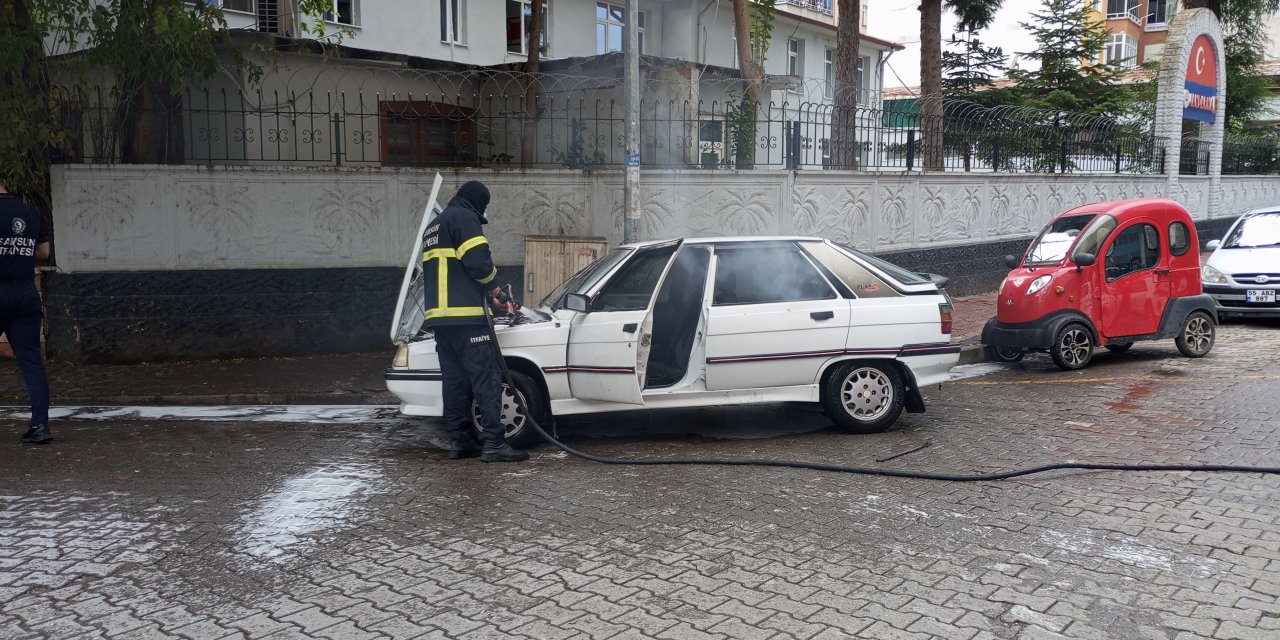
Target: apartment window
(421, 134)
(342, 12)
(611, 21)
(1159, 11)
(1123, 9)
(864, 80)
(519, 15)
(245, 6)
(795, 57)
(1122, 48)
(829, 73)
(453, 21)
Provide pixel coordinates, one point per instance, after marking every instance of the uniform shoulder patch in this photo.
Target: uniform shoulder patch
(19, 225)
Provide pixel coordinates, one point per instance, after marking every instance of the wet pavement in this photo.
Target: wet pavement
(154, 526)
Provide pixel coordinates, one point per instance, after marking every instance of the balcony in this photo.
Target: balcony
(821, 6)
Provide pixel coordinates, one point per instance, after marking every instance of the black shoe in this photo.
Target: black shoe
(502, 453)
(458, 452)
(37, 434)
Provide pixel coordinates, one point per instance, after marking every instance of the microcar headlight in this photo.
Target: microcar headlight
(1038, 284)
(1212, 276)
(402, 358)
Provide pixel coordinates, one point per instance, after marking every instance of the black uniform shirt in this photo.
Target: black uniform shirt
(20, 231)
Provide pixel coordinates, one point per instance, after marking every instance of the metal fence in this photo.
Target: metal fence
(585, 130)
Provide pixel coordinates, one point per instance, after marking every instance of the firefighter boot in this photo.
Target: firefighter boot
(463, 444)
(502, 452)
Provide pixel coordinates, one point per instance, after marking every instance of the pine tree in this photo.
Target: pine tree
(969, 66)
(1070, 77)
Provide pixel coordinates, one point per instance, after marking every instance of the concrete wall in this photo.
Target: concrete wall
(188, 262)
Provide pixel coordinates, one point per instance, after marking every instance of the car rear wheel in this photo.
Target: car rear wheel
(1119, 347)
(516, 412)
(1196, 338)
(1072, 347)
(1004, 354)
(864, 397)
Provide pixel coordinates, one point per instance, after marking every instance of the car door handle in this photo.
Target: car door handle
(630, 327)
(1162, 272)
(822, 315)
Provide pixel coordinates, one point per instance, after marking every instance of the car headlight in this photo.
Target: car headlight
(1038, 284)
(401, 360)
(1212, 276)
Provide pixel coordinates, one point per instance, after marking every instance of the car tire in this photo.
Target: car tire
(1072, 347)
(1004, 354)
(519, 431)
(864, 397)
(1119, 347)
(1195, 339)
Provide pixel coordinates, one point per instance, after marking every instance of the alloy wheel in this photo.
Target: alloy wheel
(866, 394)
(1198, 333)
(1074, 347)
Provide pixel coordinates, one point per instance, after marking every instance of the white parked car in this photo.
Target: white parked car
(710, 321)
(1243, 273)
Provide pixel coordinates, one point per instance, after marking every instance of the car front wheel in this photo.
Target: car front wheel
(864, 397)
(1196, 338)
(516, 411)
(1072, 347)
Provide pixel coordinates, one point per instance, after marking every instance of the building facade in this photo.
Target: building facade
(1137, 28)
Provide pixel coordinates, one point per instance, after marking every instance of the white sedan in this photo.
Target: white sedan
(712, 321)
(1243, 273)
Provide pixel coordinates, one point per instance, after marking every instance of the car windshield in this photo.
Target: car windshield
(1056, 239)
(1262, 230)
(584, 280)
(897, 273)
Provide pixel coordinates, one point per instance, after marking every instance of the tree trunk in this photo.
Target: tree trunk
(931, 83)
(844, 118)
(151, 127)
(527, 139)
(28, 93)
(742, 121)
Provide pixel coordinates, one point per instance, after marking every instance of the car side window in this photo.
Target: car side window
(1136, 248)
(1179, 238)
(756, 275)
(631, 288)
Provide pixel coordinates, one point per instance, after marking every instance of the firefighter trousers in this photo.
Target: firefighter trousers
(471, 371)
(20, 315)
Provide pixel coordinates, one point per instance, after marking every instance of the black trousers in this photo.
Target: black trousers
(20, 315)
(471, 371)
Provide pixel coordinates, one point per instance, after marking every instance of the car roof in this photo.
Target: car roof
(1123, 210)
(725, 240)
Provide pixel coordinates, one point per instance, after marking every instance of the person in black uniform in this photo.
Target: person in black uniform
(23, 239)
(458, 268)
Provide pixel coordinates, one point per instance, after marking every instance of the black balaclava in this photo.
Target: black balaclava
(476, 196)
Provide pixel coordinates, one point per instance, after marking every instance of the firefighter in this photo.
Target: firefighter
(23, 240)
(458, 270)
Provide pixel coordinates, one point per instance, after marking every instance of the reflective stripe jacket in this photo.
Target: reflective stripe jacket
(456, 267)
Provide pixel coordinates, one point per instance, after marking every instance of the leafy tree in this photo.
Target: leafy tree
(752, 28)
(844, 116)
(971, 14)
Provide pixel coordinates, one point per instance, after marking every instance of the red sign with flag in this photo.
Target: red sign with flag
(1201, 90)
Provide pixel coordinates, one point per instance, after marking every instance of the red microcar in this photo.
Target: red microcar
(1106, 274)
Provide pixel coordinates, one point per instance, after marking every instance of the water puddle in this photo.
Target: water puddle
(286, 519)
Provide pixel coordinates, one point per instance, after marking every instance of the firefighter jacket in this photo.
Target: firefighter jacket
(456, 264)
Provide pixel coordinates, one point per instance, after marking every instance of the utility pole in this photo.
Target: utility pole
(631, 78)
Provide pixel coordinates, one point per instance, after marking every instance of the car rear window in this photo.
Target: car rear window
(858, 278)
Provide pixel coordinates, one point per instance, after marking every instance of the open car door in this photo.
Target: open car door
(609, 344)
(410, 314)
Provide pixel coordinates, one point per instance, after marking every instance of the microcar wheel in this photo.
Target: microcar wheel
(1196, 337)
(1072, 347)
(864, 397)
(519, 432)
(1119, 347)
(1004, 354)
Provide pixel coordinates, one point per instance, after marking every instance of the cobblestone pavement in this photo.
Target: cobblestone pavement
(201, 530)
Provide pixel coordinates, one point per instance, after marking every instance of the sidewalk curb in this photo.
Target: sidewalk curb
(972, 354)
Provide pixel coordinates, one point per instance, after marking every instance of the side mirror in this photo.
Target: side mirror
(577, 302)
(1011, 261)
(1084, 259)
(1213, 245)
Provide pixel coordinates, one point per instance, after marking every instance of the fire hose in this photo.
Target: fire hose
(868, 471)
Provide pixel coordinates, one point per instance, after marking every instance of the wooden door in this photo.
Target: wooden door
(550, 260)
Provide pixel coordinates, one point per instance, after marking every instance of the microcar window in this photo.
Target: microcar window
(632, 287)
(583, 281)
(1053, 243)
(1091, 239)
(1179, 238)
(760, 274)
(858, 278)
(1262, 230)
(1134, 249)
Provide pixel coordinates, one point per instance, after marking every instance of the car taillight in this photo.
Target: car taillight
(944, 316)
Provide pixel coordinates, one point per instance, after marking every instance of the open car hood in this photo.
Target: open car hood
(409, 315)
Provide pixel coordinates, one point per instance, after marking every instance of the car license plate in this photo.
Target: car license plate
(1260, 295)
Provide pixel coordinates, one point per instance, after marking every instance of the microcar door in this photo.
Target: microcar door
(609, 344)
(1135, 283)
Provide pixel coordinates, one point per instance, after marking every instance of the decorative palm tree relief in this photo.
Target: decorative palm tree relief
(1003, 222)
(345, 213)
(223, 212)
(105, 212)
(746, 213)
(895, 227)
(842, 218)
(555, 211)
